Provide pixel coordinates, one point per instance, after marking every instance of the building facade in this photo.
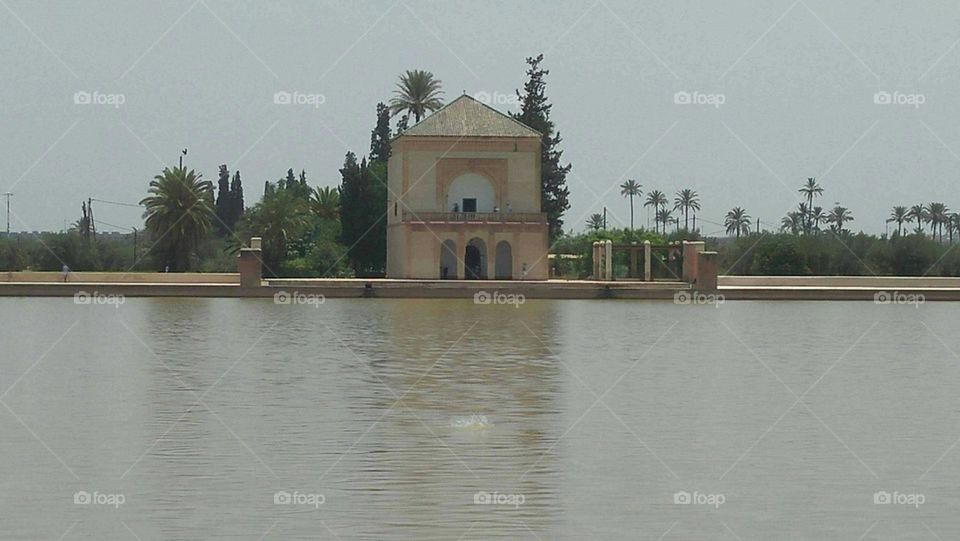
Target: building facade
(464, 198)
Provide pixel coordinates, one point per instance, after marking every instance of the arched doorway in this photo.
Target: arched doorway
(475, 260)
(504, 262)
(448, 260)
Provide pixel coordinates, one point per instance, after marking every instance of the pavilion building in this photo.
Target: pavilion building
(464, 198)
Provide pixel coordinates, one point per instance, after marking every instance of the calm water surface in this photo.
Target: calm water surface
(201, 419)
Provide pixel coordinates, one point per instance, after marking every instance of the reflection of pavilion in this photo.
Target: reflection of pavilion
(465, 198)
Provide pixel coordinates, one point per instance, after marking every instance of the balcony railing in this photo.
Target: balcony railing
(476, 217)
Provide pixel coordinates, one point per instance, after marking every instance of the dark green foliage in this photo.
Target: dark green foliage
(380, 137)
(363, 202)
(535, 113)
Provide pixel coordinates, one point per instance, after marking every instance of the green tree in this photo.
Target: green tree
(898, 215)
(810, 190)
(595, 222)
(657, 200)
(179, 214)
(223, 204)
(631, 189)
(686, 201)
(417, 93)
(236, 200)
(792, 222)
(363, 198)
(535, 113)
(838, 217)
(380, 137)
(325, 203)
(918, 213)
(737, 221)
(937, 216)
(278, 218)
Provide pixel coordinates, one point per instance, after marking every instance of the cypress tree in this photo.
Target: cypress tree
(380, 137)
(535, 112)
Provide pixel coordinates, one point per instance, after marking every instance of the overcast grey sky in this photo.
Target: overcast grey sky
(798, 81)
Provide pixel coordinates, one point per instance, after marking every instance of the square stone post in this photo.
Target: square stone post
(250, 266)
(608, 260)
(647, 261)
(691, 250)
(706, 278)
(596, 260)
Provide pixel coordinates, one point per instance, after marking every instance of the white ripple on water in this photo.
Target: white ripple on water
(470, 422)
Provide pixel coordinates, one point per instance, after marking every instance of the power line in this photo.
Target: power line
(114, 202)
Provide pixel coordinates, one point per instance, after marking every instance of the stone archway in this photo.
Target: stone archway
(448, 260)
(504, 261)
(475, 260)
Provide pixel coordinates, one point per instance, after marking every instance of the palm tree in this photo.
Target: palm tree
(325, 202)
(918, 213)
(595, 222)
(792, 222)
(417, 93)
(810, 190)
(737, 221)
(665, 216)
(631, 189)
(899, 214)
(953, 225)
(817, 217)
(279, 216)
(837, 217)
(937, 216)
(656, 199)
(686, 200)
(179, 214)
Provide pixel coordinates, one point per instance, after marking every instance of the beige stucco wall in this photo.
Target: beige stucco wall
(421, 168)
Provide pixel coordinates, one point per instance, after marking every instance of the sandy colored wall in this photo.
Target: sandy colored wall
(121, 277)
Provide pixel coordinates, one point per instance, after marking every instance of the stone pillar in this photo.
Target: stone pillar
(251, 270)
(596, 260)
(608, 260)
(647, 261)
(691, 249)
(706, 278)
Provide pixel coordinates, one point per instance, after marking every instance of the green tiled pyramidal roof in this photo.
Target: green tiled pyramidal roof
(467, 117)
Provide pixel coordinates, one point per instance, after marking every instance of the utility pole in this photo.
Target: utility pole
(8, 195)
(93, 227)
(604, 218)
(182, 154)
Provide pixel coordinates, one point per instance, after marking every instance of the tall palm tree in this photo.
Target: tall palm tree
(918, 213)
(686, 201)
(325, 202)
(792, 222)
(737, 221)
(953, 225)
(656, 199)
(839, 216)
(631, 189)
(810, 190)
(179, 213)
(595, 222)
(899, 214)
(417, 93)
(937, 216)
